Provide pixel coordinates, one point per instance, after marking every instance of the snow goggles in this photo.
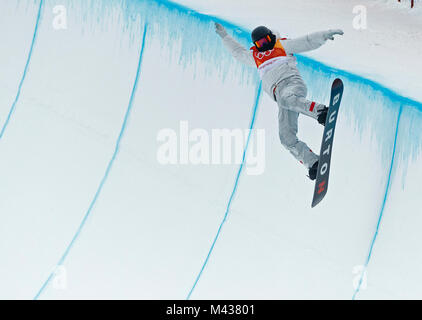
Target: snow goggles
(262, 42)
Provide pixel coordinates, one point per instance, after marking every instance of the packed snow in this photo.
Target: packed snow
(88, 211)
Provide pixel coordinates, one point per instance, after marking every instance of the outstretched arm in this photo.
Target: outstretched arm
(236, 49)
(309, 42)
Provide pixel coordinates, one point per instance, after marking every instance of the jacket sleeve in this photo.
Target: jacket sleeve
(309, 42)
(239, 52)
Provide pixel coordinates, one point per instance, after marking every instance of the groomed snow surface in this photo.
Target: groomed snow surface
(88, 212)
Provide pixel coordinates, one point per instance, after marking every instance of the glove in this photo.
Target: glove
(329, 35)
(220, 30)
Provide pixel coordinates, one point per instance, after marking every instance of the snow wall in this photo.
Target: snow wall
(87, 210)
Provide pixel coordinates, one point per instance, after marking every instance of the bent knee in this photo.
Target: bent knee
(288, 140)
(290, 99)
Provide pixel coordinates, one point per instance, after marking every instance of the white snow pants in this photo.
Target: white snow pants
(290, 94)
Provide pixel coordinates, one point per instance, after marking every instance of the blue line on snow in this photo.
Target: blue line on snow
(236, 184)
(387, 189)
(107, 172)
(25, 71)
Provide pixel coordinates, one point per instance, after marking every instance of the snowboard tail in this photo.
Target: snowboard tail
(323, 173)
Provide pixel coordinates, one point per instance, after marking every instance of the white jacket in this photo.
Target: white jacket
(281, 71)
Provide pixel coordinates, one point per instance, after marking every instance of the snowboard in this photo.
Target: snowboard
(323, 173)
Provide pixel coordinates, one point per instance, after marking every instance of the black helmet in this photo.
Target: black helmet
(263, 38)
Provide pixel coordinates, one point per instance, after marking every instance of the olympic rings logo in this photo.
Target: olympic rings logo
(262, 55)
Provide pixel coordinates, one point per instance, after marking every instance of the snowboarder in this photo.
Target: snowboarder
(273, 56)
